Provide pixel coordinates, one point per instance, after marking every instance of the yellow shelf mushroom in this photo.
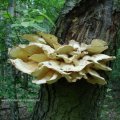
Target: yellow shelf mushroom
(48, 61)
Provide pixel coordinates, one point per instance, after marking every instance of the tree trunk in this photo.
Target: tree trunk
(10, 71)
(82, 20)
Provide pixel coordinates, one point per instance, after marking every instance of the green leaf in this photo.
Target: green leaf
(25, 24)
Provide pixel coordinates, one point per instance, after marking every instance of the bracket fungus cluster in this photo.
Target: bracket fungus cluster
(47, 60)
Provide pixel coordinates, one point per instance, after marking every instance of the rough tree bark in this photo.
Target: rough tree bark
(82, 20)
